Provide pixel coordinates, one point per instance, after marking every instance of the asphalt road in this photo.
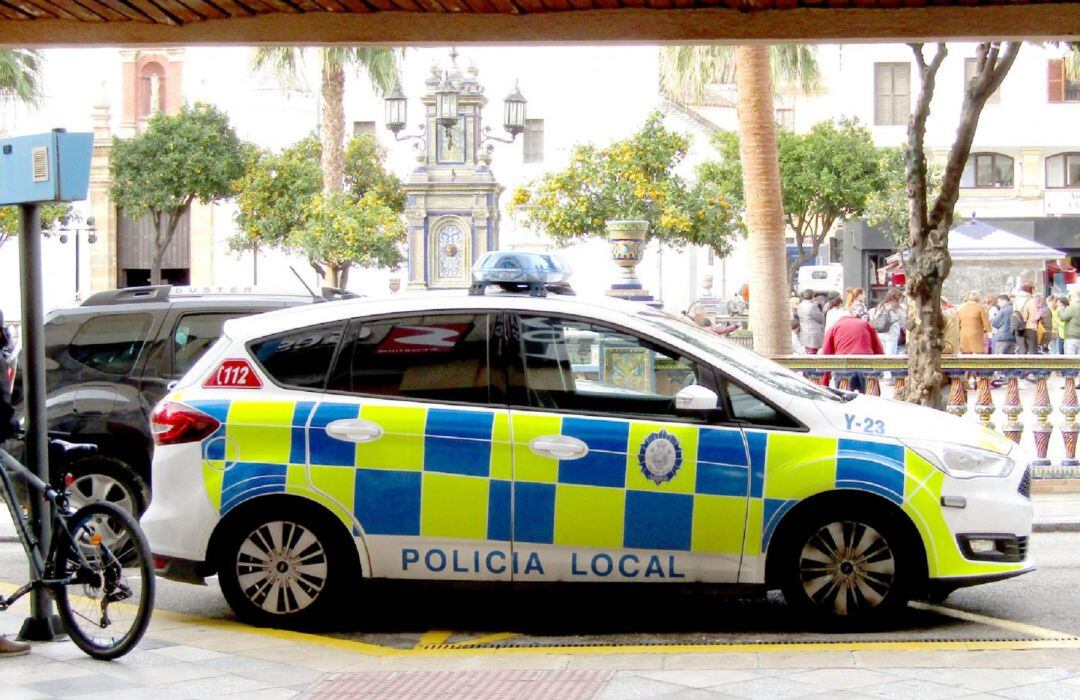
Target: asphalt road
(400, 615)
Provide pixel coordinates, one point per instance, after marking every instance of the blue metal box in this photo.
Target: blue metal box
(50, 167)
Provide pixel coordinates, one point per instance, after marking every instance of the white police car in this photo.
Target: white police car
(505, 437)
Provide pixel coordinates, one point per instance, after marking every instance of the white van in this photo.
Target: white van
(821, 278)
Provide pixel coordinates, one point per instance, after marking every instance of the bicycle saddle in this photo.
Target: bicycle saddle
(63, 452)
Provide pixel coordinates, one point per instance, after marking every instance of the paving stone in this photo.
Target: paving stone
(80, 685)
(737, 660)
(807, 659)
(843, 678)
(619, 661)
(634, 687)
(216, 686)
(768, 687)
(183, 652)
(916, 689)
(700, 679)
(976, 680)
(1056, 690)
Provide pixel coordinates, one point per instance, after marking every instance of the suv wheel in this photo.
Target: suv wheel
(108, 479)
(847, 567)
(287, 570)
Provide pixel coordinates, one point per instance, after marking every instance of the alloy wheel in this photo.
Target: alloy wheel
(847, 567)
(281, 567)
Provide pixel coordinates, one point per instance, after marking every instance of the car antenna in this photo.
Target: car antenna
(314, 296)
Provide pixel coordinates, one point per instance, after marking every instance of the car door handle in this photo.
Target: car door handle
(352, 430)
(559, 447)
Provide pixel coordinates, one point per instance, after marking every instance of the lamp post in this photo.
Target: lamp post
(76, 232)
(449, 89)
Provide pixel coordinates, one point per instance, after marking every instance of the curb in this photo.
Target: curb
(1053, 526)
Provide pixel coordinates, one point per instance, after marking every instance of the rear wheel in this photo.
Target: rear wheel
(110, 480)
(106, 607)
(847, 567)
(288, 570)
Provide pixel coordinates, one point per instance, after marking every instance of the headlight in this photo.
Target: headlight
(961, 461)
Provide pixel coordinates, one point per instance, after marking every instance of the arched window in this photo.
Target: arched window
(151, 89)
(988, 170)
(1063, 170)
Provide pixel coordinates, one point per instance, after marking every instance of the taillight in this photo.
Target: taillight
(174, 423)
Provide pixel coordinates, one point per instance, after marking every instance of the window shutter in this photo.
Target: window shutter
(901, 93)
(1055, 83)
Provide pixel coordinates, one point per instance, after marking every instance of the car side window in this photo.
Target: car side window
(192, 336)
(111, 344)
(585, 366)
(442, 357)
(299, 359)
(745, 406)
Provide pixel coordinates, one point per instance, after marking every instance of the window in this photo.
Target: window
(437, 357)
(363, 129)
(299, 359)
(1063, 170)
(1061, 84)
(987, 170)
(193, 335)
(785, 118)
(533, 141)
(969, 75)
(582, 366)
(111, 344)
(892, 93)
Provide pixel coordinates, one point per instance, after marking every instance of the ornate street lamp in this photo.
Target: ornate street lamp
(396, 107)
(91, 237)
(446, 103)
(514, 112)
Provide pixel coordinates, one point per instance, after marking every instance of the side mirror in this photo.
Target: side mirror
(695, 398)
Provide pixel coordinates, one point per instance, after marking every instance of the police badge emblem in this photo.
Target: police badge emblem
(660, 457)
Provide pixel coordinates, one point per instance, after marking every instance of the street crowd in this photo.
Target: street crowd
(1020, 323)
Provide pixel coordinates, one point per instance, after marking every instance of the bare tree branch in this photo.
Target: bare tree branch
(916, 151)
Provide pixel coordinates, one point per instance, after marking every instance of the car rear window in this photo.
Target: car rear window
(301, 358)
(112, 343)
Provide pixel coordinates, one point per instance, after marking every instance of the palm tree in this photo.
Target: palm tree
(381, 66)
(684, 72)
(20, 75)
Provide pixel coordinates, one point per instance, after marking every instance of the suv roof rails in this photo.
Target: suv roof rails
(129, 295)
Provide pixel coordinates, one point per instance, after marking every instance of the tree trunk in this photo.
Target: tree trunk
(769, 316)
(927, 267)
(161, 242)
(333, 126)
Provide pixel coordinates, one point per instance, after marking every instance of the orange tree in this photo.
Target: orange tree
(633, 178)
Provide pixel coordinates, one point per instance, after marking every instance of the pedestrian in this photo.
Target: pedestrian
(1025, 306)
(834, 311)
(888, 320)
(973, 325)
(851, 335)
(1057, 342)
(811, 323)
(1070, 316)
(1045, 329)
(855, 303)
(796, 346)
(952, 328)
(8, 425)
(1004, 337)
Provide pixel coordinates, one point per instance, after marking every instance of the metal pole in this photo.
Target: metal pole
(78, 295)
(42, 625)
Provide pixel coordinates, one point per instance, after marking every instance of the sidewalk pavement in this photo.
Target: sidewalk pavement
(184, 656)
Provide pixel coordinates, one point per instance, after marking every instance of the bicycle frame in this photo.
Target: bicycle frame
(38, 561)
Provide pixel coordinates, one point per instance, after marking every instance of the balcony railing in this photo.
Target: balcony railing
(1007, 393)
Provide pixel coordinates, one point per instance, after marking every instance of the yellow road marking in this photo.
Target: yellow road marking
(487, 639)
(1010, 625)
(432, 638)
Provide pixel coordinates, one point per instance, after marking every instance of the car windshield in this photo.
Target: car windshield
(728, 354)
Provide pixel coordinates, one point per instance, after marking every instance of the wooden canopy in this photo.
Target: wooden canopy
(417, 22)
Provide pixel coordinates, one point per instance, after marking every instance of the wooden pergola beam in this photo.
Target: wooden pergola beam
(1059, 20)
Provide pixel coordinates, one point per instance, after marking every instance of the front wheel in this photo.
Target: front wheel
(107, 603)
(847, 568)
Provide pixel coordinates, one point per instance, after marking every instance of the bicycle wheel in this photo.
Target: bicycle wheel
(106, 606)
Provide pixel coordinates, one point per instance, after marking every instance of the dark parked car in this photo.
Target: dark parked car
(109, 360)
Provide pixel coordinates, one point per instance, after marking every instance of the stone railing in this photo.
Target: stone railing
(1009, 384)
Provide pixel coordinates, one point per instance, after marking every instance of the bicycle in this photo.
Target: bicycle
(98, 569)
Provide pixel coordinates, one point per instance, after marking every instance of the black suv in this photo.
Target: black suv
(111, 359)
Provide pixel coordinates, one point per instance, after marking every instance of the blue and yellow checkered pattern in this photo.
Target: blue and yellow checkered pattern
(454, 473)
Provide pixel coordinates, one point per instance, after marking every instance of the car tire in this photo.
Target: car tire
(849, 566)
(103, 478)
(290, 569)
